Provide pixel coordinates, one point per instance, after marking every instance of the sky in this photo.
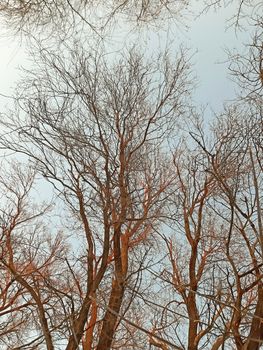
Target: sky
(12, 56)
(207, 37)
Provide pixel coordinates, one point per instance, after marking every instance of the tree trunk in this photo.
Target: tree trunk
(193, 321)
(111, 316)
(78, 327)
(255, 338)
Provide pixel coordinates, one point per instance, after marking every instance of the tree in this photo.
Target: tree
(235, 163)
(211, 279)
(67, 17)
(246, 69)
(96, 131)
(191, 276)
(193, 250)
(30, 257)
(245, 11)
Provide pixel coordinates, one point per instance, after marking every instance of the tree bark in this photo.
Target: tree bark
(255, 338)
(111, 316)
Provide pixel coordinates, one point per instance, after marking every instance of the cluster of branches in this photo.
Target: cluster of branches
(63, 16)
(154, 235)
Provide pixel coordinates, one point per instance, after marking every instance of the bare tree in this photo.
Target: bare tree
(29, 261)
(245, 11)
(235, 163)
(247, 69)
(65, 17)
(211, 279)
(96, 132)
(195, 304)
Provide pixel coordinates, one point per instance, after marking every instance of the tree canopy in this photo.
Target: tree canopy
(128, 221)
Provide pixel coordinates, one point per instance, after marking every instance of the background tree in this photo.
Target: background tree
(235, 164)
(29, 263)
